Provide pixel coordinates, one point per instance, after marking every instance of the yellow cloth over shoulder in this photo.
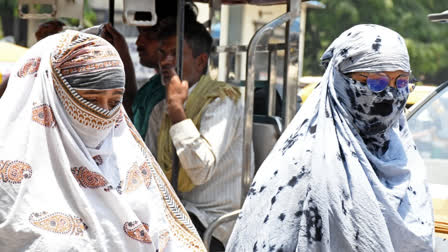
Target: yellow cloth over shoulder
(205, 92)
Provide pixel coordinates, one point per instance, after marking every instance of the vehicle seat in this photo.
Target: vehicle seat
(266, 131)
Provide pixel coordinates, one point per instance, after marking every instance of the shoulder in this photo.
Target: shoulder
(154, 80)
(226, 105)
(151, 87)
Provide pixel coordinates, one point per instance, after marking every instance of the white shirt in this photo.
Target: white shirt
(212, 156)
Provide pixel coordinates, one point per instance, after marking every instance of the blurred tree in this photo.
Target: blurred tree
(8, 9)
(426, 41)
(89, 16)
(11, 24)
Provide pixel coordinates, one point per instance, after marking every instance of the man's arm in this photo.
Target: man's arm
(118, 41)
(199, 150)
(176, 95)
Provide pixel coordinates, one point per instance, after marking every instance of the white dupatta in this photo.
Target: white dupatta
(56, 194)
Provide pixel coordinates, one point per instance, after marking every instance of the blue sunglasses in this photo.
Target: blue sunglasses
(377, 82)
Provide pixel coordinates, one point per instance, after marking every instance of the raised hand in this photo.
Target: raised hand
(176, 94)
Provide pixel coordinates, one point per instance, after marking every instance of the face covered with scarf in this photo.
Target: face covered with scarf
(77, 174)
(366, 68)
(90, 83)
(345, 175)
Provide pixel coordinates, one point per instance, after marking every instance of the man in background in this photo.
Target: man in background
(139, 104)
(49, 28)
(203, 118)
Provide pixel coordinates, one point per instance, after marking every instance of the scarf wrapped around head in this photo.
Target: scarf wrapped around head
(345, 175)
(60, 189)
(89, 64)
(85, 62)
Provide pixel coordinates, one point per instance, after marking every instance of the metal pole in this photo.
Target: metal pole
(268, 95)
(180, 36)
(111, 11)
(291, 50)
(179, 66)
(303, 10)
(220, 220)
(272, 98)
(249, 100)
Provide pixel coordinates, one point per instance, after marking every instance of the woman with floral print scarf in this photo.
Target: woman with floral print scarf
(345, 175)
(75, 174)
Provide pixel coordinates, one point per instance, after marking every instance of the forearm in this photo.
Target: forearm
(195, 153)
(201, 149)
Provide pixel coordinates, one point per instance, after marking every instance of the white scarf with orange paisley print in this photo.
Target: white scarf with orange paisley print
(57, 193)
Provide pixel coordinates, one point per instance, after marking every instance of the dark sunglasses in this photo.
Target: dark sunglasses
(377, 82)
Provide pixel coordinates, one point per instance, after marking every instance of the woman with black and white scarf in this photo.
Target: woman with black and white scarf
(345, 175)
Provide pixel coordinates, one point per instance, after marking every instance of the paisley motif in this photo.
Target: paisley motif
(59, 223)
(29, 68)
(14, 171)
(137, 176)
(164, 237)
(146, 173)
(43, 115)
(138, 231)
(87, 178)
(98, 159)
(134, 179)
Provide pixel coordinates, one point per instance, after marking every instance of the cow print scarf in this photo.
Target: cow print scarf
(345, 175)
